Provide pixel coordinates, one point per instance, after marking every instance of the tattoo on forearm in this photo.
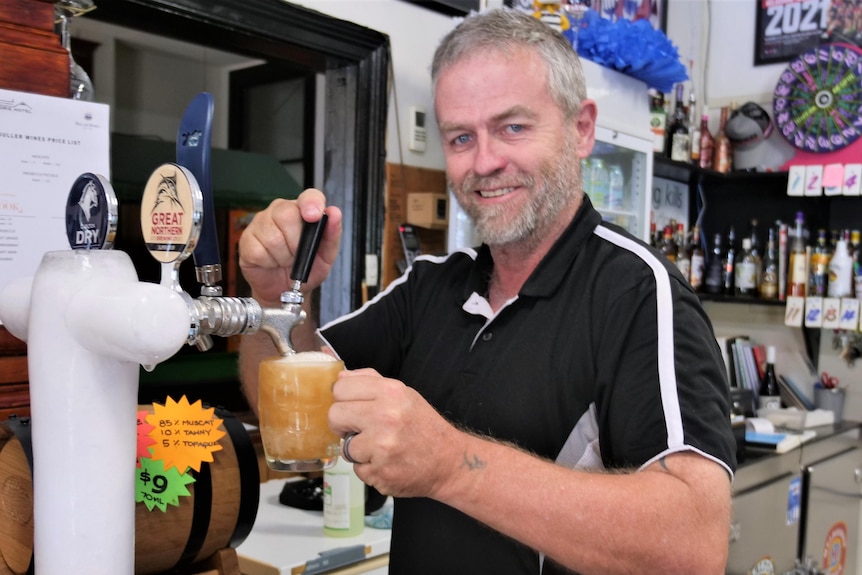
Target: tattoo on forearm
(474, 463)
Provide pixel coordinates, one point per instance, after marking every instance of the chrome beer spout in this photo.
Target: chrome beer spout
(280, 323)
(188, 183)
(227, 316)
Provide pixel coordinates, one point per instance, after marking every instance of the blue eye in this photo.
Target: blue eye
(462, 139)
(515, 128)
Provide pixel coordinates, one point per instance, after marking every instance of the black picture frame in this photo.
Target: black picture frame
(786, 29)
(449, 7)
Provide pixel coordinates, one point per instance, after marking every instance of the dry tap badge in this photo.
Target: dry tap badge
(91, 213)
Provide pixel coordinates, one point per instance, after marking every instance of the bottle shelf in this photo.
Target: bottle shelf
(742, 300)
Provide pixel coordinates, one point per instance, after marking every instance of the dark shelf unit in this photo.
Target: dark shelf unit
(718, 201)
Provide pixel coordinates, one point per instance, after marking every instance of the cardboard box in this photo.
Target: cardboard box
(428, 210)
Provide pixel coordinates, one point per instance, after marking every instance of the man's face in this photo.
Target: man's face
(512, 159)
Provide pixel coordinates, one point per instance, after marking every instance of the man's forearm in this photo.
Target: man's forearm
(598, 522)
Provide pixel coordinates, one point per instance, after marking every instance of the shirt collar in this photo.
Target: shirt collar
(548, 275)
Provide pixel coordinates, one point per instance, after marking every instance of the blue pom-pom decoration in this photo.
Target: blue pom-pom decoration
(633, 48)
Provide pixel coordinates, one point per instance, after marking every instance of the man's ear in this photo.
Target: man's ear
(584, 124)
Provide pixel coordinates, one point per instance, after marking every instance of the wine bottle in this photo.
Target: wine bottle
(769, 274)
(668, 248)
(769, 392)
(722, 159)
(658, 123)
(678, 137)
(707, 142)
(714, 275)
(746, 271)
(797, 280)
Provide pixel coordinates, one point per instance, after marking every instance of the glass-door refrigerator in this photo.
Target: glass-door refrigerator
(623, 151)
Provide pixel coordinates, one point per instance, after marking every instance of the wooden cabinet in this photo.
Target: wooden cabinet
(32, 59)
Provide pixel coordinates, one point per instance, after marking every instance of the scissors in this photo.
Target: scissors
(828, 381)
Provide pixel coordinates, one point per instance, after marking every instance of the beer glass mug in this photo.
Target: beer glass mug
(294, 396)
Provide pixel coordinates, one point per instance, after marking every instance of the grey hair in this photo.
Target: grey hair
(506, 30)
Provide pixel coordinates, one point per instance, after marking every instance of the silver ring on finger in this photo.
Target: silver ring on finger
(345, 447)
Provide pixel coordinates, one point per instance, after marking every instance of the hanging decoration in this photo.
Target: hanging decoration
(632, 48)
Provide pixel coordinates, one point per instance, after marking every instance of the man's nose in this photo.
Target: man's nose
(489, 157)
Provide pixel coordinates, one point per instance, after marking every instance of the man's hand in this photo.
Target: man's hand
(404, 447)
(268, 245)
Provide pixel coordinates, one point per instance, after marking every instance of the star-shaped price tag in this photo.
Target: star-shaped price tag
(186, 435)
(157, 487)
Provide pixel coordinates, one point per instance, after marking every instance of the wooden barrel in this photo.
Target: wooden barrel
(218, 514)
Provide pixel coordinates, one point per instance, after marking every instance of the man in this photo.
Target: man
(554, 402)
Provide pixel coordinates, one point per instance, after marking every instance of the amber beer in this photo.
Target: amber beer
(295, 393)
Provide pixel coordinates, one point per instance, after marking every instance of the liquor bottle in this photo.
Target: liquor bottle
(714, 275)
(722, 152)
(818, 266)
(856, 254)
(668, 248)
(841, 271)
(678, 136)
(698, 263)
(683, 256)
(855, 238)
(343, 501)
(797, 270)
(694, 127)
(653, 241)
(770, 396)
(729, 274)
(746, 271)
(756, 250)
(707, 142)
(782, 261)
(658, 123)
(769, 274)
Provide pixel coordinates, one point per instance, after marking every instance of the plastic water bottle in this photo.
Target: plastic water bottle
(599, 183)
(616, 189)
(587, 176)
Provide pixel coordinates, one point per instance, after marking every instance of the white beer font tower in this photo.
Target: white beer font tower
(89, 324)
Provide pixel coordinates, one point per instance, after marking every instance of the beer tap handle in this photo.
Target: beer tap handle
(193, 152)
(309, 242)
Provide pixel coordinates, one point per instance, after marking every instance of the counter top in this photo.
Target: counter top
(763, 466)
(289, 541)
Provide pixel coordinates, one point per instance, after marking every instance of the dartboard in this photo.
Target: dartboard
(818, 99)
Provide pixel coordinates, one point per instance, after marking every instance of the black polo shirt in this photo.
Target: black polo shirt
(605, 359)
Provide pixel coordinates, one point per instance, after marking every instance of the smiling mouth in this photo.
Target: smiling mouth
(495, 193)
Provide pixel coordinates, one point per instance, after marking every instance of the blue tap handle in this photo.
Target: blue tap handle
(193, 153)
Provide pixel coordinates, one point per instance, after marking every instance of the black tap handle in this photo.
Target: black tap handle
(309, 241)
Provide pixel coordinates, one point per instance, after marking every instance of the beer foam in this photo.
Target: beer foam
(307, 357)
